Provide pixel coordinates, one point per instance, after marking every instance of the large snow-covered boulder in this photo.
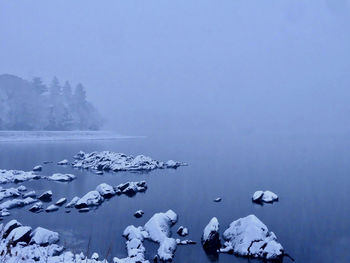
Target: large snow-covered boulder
(62, 177)
(9, 192)
(211, 236)
(264, 196)
(92, 198)
(9, 227)
(19, 234)
(107, 160)
(249, 237)
(37, 168)
(43, 237)
(17, 203)
(15, 176)
(105, 190)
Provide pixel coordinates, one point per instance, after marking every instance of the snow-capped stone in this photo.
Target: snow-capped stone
(131, 188)
(266, 197)
(218, 199)
(43, 237)
(249, 237)
(72, 202)
(138, 213)
(105, 190)
(94, 256)
(63, 162)
(211, 237)
(92, 198)
(61, 201)
(9, 227)
(185, 242)
(37, 207)
(84, 210)
(52, 208)
(182, 231)
(4, 212)
(19, 234)
(22, 188)
(15, 176)
(46, 196)
(30, 194)
(62, 177)
(107, 160)
(37, 168)
(9, 192)
(158, 228)
(16, 203)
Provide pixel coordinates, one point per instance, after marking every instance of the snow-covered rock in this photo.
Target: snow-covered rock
(266, 197)
(217, 200)
(30, 194)
(105, 190)
(249, 237)
(63, 162)
(9, 192)
(92, 198)
(158, 228)
(211, 236)
(185, 242)
(62, 177)
(37, 207)
(17, 203)
(37, 168)
(72, 202)
(4, 212)
(19, 234)
(107, 160)
(46, 196)
(9, 227)
(15, 176)
(22, 188)
(138, 213)
(61, 201)
(43, 237)
(52, 208)
(131, 188)
(182, 231)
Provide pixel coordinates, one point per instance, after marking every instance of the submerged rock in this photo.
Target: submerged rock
(62, 177)
(107, 160)
(15, 176)
(92, 198)
(211, 237)
(46, 196)
(266, 197)
(249, 237)
(37, 168)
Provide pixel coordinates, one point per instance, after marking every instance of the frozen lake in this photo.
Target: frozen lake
(310, 173)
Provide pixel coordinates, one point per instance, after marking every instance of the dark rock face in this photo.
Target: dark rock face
(10, 226)
(46, 196)
(211, 237)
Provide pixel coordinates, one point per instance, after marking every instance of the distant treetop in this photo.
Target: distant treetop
(32, 105)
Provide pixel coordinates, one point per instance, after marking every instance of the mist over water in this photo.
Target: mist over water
(151, 67)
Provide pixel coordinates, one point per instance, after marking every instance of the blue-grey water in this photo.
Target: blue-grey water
(310, 173)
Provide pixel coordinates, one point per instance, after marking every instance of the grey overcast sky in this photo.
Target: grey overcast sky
(151, 66)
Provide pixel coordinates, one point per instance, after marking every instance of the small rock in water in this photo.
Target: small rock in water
(264, 197)
(46, 196)
(4, 212)
(37, 168)
(185, 242)
(22, 188)
(217, 199)
(138, 213)
(84, 210)
(61, 201)
(72, 203)
(30, 194)
(62, 177)
(63, 162)
(182, 231)
(52, 208)
(37, 207)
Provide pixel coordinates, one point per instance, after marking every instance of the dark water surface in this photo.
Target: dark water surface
(310, 173)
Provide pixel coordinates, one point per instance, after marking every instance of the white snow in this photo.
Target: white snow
(248, 236)
(107, 160)
(42, 236)
(16, 176)
(62, 177)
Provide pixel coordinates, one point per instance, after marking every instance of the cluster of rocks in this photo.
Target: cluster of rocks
(157, 229)
(111, 161)
(247, 237)
(15, 176)
(264, 197)
(21, 244)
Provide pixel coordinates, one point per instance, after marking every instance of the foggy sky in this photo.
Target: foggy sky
(151, 66)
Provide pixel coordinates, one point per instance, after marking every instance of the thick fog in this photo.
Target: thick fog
(154, 66)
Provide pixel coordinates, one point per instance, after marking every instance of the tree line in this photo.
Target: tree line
(33, 105)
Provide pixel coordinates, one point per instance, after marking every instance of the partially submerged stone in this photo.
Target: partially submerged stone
(72, 203)
(16, 176)
(19, 234)
(105, 190)
(52, 208)
(62, 177)
(37, 207)
(46, 196)
(249, 237)
(17, 203)
(264, 197)
(37, 168)
(138, 213)
(61, 201)
(182, 231)
(63, 162)
(131, 188)
(217, 200)
(92, 198)
(211, 237)
(43, 237)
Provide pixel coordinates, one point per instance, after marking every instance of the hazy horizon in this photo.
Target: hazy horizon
(190, 65)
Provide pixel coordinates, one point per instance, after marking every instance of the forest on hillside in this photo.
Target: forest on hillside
(33, 105)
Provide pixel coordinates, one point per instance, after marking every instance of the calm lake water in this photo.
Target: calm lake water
(310, 173)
